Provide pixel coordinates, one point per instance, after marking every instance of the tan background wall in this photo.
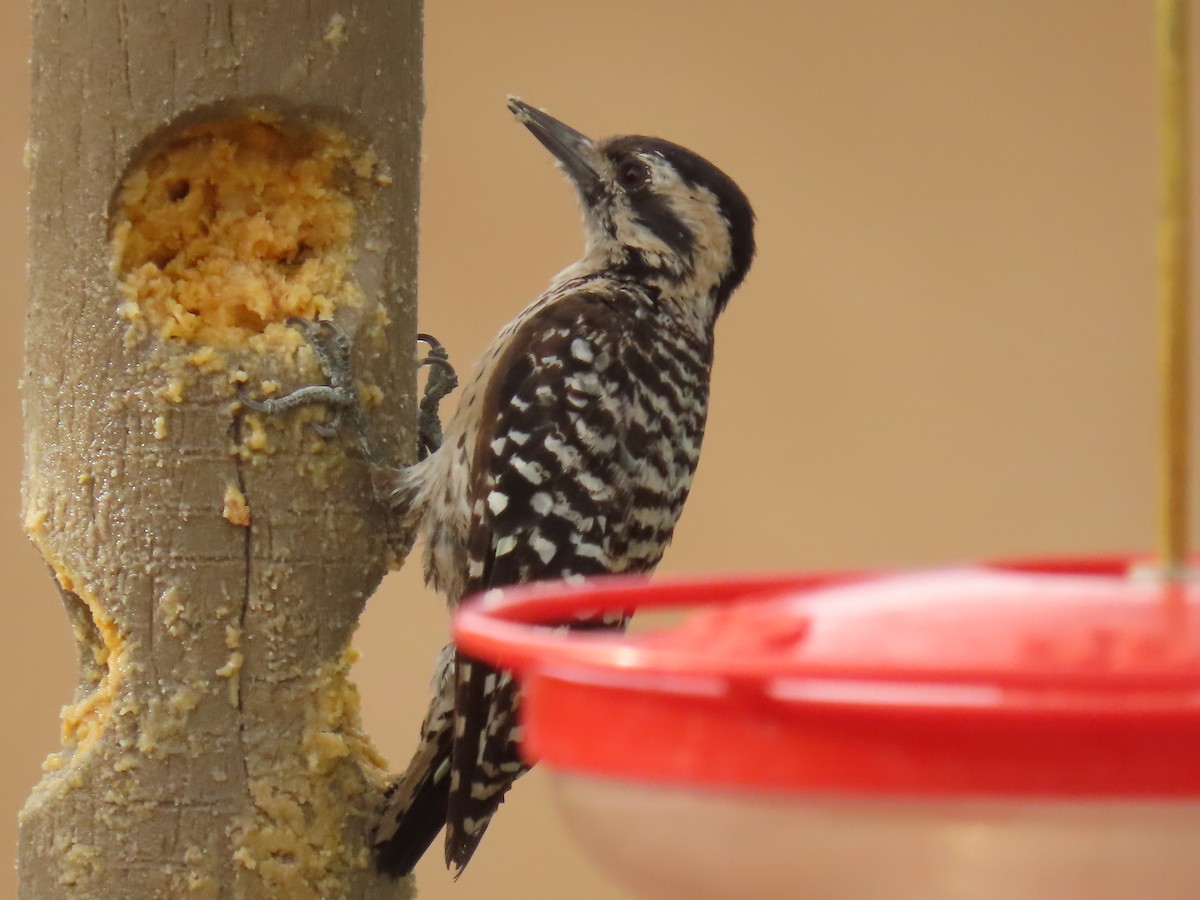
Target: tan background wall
(945, 350)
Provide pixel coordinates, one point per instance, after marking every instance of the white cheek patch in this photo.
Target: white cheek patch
(700, 211)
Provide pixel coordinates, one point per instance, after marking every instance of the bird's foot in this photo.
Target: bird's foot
(331, 347)
(442, 380)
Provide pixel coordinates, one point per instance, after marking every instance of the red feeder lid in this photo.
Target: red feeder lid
(1063, 678)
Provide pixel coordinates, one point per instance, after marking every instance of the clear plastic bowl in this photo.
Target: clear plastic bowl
(684, 843)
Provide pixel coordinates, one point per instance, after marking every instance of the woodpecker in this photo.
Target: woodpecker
(571, 450)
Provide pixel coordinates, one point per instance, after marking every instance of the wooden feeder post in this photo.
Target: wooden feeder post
(202, 171)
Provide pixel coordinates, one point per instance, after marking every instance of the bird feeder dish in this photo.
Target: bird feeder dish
(977, 733)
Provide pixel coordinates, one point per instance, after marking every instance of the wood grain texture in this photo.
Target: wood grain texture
(214, 748)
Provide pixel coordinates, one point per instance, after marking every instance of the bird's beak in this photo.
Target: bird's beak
(575, 152)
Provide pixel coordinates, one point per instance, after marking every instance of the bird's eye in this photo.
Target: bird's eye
(632, 174)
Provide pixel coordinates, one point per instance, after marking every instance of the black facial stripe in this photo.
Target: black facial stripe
(634, 267)
(653, 212)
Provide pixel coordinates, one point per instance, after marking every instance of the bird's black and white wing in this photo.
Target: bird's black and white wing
(555, 486)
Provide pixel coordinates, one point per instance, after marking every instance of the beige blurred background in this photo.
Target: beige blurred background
(945, 349)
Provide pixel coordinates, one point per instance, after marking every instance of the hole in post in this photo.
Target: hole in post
(231, 226)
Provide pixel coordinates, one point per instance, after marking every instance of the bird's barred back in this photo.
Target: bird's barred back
(588, 441)
(581, 468)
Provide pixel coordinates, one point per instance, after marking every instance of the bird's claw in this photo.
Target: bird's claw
(442, 380)
(331, 347)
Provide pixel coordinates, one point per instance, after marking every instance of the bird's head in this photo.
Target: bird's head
(654, 211)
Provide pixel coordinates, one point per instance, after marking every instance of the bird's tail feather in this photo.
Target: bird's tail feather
(415, 813)
(417, 801)
(486, 758)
